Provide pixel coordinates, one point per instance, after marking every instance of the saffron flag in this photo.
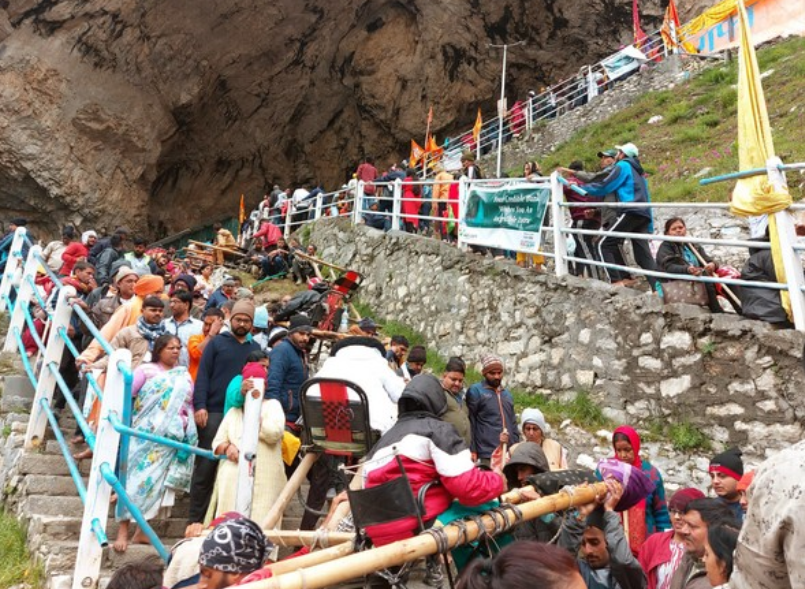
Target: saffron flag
(433, 150)
(242, 211)
(757, 195)
(476, 130)
(639, 36)
(430, 115)
(670, 27)
(416, 153)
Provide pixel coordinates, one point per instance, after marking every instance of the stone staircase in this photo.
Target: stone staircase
(37, 487)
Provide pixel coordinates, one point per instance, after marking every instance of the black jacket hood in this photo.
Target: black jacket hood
(369, 342)
(424, 394)
(528, 454)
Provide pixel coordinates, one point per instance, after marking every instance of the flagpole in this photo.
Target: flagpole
(501, 108)
(425, 155)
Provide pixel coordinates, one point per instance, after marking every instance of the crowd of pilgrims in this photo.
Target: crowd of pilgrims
(198, 340)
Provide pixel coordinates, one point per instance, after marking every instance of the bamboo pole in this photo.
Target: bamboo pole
(288, 491)
(226, 250)
(312, 559)
(362, 563)
(319, 261)
(324, 538)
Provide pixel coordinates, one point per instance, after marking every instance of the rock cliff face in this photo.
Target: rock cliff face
(160, 114)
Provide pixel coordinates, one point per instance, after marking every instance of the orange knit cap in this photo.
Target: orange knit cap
(148, 285)
(746, 480)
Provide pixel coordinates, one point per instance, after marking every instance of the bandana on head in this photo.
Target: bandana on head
(235, 546)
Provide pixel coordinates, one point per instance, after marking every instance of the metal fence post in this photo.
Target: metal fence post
(463, 187)
(358, 209)
(25, 293)
(107, 440)
(47, 382)
(13, 263)
(319, 199)
(557, 217)
(786, 234)
(288, 216)
(396, 204)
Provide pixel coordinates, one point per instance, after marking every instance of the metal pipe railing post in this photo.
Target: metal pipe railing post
(463, 187)
(24, 296)
(358, 208)
(47, 381)
(13, 263)
(396, 205)
(90, 553)
(787, 238)
(559, 244)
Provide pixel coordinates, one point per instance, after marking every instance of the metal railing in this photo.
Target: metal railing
(109, 444)
(556, 100)
(389, 215)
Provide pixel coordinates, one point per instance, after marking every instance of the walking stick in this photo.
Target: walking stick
(726, 288)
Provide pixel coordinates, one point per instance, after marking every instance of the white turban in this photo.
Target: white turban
(86, 235)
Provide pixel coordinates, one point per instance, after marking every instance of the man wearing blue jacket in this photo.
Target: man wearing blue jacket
(627, 180)
(289, 370)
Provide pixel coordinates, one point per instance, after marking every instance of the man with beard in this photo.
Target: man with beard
(413, 365)
(289, 369)
(223, 359)
(698, 517)
(491, 409)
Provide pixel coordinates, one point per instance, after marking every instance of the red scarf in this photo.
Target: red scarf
(634, 519)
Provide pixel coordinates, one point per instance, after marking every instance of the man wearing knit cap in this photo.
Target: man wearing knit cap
(223, 359)
(491, 409)
(289, 369)
(726, 469)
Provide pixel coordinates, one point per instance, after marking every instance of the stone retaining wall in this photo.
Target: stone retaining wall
(738, 380)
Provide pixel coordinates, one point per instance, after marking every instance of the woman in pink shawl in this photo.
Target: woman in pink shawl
(651, 514)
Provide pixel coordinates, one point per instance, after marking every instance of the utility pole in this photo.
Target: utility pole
(502, 103)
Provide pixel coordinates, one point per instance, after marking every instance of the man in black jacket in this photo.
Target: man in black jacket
(223, 359)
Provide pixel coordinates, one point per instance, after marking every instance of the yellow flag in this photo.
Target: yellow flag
(756, 195)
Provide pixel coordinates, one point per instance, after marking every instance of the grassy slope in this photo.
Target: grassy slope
(16, 565)
(699, 129)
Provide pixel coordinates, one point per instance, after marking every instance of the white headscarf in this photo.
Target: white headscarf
(86, 235)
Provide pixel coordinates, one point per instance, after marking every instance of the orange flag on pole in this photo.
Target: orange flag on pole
(416, 153)
(430, 115)
(476, 130)
(242, 211)
(670, 28)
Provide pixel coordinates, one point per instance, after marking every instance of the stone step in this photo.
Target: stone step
(73, 507)
(48, 464)
(65, 581)
(61, 528)
(59, 557)
(45, 484)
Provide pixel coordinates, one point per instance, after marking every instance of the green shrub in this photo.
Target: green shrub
(678, 112)
(690, 135)
(581, 410)
(727, 99)
(686, 437)
(710, 120)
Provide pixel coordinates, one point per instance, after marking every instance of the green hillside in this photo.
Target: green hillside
(699, 129)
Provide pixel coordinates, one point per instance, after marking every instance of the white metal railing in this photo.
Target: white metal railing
(18, 290)
(554, 101)
(556, 233)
